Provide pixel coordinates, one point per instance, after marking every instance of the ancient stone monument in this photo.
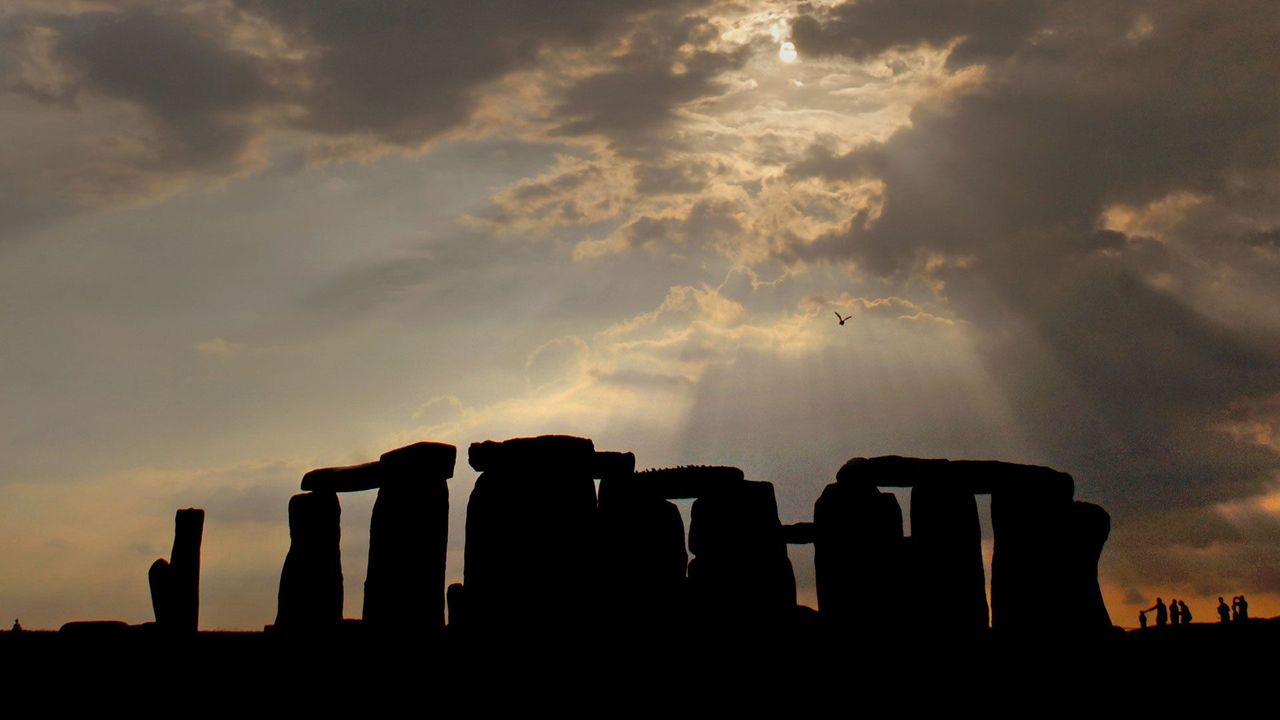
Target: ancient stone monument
(408, 537)
(1046, 546)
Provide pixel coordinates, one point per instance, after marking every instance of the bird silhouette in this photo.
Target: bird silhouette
(841, 319)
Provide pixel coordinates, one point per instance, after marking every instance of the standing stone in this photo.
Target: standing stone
(404, 588)
(175, 584)
(642, 558)
(1090, 527)
(740, 577)
(311, 580)
(949, 585)
(858, 559)
(1032, 533)
(531, 536)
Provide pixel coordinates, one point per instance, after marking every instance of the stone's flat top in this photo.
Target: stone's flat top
(801, 533)
(567, 451)
(980, 477)
(688, 481)
(351, 478)
(433, 458)
(612, 464)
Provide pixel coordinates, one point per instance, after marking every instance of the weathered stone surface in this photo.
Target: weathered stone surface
(978, 477)
(175, 583)
(408, 538)
(532, 513)
(859, 559)
(1090, 526)
(311, 580)
(689, 481)
(740, 572)
(801, 533)
(948, 581)
(351, 478)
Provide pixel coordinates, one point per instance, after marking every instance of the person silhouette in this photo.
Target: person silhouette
(1142, 619)
(1244, 609)
(1162, 612)
(1224, 612)
(17, 626)
(1175, 612)
(1186, 612)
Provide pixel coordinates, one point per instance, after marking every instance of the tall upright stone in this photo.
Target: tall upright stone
(1029, 565)
(531, 536)
(311, 581)
(1090, 526)
(404, 588)
(859, 558)
(740, 577)
(175, 584)
(949, 588)
(642, 558)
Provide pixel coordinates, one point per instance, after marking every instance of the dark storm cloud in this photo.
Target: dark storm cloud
(666, 63)
(195, 88)
(986, 28)
(405, 70)
(1086, 106)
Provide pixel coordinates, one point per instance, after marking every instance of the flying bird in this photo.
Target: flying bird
(841, 319)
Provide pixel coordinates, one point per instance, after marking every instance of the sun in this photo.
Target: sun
(787, 53)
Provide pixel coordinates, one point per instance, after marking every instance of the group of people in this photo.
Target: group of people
(1177, 612)
(1238, 612)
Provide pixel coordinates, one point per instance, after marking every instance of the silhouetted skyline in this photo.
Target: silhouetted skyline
(241, 240)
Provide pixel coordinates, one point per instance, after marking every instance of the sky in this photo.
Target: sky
(240, 239)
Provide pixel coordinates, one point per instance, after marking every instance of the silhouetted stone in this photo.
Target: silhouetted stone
(978, 477)
(569, 454)
(859, 558)
(801, 533)
(95, 629)
(1090, 527)
(532, 513)
(608, 465)
(175, 584)
(688, 481)
(351, 478)
(642, 558)
(949, 586)
(161, 582)
(1030, 506)
(1032, 535)
(311, 580)
(408, 539)
(456, 596)
(740, 575)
